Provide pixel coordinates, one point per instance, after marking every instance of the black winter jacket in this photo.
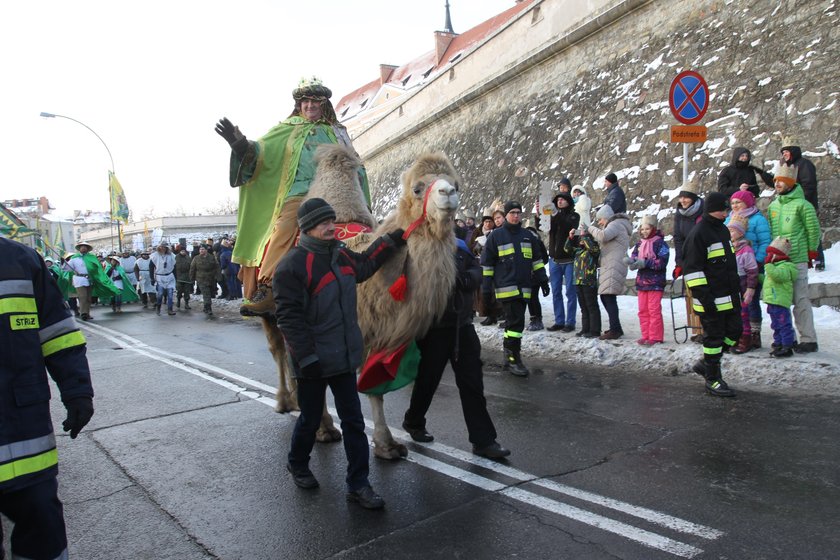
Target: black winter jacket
(615, 199)
(512, 262)
(459, 311)
(806, 174)
(37, 334)
(683, 224)
(710, 268)
(564, 220)
(740, 172)
(315, 292)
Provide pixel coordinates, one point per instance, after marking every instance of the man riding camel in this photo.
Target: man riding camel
(275, 173)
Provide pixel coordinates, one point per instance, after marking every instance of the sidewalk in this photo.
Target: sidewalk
(816, 373)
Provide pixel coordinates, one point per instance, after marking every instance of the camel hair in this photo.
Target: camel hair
(426, 209)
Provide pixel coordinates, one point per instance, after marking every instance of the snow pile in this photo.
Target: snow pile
(816, 373)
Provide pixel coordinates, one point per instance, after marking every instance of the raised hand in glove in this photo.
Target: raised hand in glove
(546, 289)
(79, 413)
(397, 237)
(227, 130)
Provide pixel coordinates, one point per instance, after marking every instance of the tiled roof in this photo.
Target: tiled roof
(421, 69)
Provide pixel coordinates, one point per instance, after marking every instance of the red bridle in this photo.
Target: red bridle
(416, 223)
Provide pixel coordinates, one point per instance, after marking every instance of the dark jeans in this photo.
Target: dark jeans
(610, 302)
(534, 305)
(311, 397)
(590, 313)
(461, 348)
(38, 516)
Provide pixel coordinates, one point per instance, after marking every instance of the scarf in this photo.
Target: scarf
(314, 245)
(691, 210)
(646, 246)
(747, 212)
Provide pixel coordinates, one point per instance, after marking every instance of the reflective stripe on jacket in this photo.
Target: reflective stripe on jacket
(512, 262)
(37, 334)
(710, 268)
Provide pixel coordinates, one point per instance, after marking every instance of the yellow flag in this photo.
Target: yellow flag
(119, 205)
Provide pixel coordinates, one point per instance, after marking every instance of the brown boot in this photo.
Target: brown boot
(744, 344)
(262, 303)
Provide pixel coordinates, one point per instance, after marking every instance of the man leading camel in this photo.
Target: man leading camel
(316, 311)
(275, 173)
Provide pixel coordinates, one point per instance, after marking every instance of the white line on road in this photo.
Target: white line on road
(636, 534)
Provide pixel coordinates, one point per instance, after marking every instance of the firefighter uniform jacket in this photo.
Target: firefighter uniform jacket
(512, 262)
(710, 268)
(37, 334)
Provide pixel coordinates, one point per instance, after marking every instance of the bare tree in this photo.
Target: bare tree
(227, 206)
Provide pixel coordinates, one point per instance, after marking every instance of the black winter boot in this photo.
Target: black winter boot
(755, 334)
(513, 359)
(715, 385)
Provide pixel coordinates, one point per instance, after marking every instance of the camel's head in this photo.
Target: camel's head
(430, 187)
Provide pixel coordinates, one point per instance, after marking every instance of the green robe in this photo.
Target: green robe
(100, 285)
(64, 279)
(266, 176)
(129, 294)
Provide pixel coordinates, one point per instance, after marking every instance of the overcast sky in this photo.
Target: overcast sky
(152, 78)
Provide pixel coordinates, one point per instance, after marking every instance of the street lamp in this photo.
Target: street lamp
(113, 172)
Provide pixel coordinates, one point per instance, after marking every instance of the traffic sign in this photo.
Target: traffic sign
(689, 97)
(696, 133)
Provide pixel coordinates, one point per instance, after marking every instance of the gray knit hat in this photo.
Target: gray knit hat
(312, 212)
(604, 213)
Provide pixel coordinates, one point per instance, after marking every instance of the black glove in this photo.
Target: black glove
(397, 237)
(313, 370)
(546, 289)
(237, 141)
(79, 413)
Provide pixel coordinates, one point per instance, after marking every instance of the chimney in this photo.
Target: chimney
(385, 71)
(442, 42)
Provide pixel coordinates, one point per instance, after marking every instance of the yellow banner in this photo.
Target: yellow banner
(119, 205)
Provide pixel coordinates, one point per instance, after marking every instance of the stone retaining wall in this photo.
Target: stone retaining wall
(598, 102)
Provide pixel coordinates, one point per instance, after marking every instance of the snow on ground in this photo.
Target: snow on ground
(816, 373)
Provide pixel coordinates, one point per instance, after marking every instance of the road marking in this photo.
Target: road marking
(636, 534)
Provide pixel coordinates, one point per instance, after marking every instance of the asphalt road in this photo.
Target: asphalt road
(185, 459)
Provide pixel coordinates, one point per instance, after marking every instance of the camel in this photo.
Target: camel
(426, 211)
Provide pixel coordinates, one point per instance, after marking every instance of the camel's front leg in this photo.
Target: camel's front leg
(286, 394)
(384, 444)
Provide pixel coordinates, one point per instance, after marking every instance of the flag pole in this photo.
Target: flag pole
(110, 190)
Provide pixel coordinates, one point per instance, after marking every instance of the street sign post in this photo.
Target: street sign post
(689, 101)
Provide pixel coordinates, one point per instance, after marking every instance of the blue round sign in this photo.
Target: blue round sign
(689, 97)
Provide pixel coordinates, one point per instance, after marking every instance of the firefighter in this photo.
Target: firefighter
(511, 263)
(711, 272)
(37, 334)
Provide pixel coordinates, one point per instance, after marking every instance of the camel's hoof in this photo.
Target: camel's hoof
(391, 453)
(327, 435)
(285, 405)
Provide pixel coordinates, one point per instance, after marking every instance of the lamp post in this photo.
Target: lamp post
(110, 195)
